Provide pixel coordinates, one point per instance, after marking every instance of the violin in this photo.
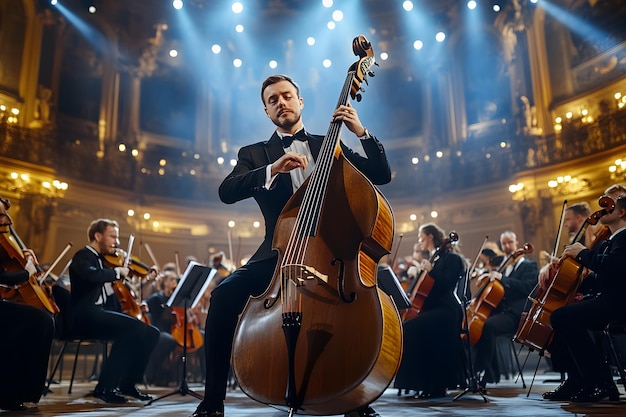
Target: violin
(535, 331)
(422, 286)
(135, 265)
(31, 291)
(488, 298)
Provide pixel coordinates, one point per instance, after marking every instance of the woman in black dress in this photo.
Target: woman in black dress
(432, 360)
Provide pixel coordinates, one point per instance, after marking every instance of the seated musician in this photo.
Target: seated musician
(27, 331)
(159, 369)
(432, 358)
(133, 340)
(518, 279)
(573, 348)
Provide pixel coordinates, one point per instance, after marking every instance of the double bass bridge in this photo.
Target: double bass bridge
(299, 274)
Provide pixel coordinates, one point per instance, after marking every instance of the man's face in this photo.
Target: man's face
(282, 104)
(572, 221)
(108, 241)
(613, 217)
(5, 219)
(508, 243)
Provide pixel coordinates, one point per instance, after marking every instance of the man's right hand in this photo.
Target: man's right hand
(288, 162)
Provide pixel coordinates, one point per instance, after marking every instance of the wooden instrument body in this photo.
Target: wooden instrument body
(128, 302)
(418, 295)
(480, 308)
(194, 338)
(535, 331)
(348, 350)
(29, 292)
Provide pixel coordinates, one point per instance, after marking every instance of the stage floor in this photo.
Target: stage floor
(508, 398)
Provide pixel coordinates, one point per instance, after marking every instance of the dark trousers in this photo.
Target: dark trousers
(572, 325)
(25, 348)
(228, 300)
(133, 343)
(159, 370)
(499, 324)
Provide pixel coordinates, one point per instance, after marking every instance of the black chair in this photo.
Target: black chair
(610, 331)
(505, 348)
(64, 335)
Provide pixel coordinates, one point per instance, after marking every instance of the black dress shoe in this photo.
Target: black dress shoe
(363, 412)
(201, 411)
(108, 395)
(13, 407)
(432, 394)
(563, 392)
(595, 393)
(134, 392)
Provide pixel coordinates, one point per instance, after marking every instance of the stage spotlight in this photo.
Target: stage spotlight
(327, 63)
(237, 62)
(418, 44)
(53, 2)
(92, 9)
(496, 8)
(534, 1)
(173, 53)
(310, 41)
(239, 28)
(327, 3)
(177, 4)
(273, 64)
(216, 49)
(331, 25)
(237, 7)
(337, 15)
(440, 36)
(384, 56)
(471, 4)
(407, 5)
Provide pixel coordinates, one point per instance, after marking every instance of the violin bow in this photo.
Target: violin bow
(149, 250)
(482, 246)
(56, 261)
(131, 240)
(558, 235)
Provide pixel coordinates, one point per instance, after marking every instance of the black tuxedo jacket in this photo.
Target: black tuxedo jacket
(87, 277)
(609, 267)
(248, 178)
(518, 286)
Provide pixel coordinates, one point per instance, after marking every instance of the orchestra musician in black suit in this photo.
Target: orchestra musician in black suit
(133, 340)
(518, 279)
(27, 331)
(588, 375)
(270, 171)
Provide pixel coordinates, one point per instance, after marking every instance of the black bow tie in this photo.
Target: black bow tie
(300, 135)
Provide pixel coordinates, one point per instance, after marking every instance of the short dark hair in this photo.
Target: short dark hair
(581, 208)
(99, 226)
(273, 79)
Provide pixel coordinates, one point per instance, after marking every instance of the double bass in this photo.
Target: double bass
(488, 297)
(423, 284)
(323, 338)
(535, 331)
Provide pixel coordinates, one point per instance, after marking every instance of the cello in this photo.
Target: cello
(30, 292)
(123, 293)
(535, 332)
(324, 338)
(422, 285)
(488, 297)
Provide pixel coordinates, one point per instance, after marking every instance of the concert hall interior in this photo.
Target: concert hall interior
(500, 120)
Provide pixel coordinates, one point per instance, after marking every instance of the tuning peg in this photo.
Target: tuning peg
(358, 98)
(371, 74)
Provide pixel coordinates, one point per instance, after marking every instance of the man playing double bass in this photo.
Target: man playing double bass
(133, 340)
(518, 279)
(588, 376)
(27, 331)
(270, 171)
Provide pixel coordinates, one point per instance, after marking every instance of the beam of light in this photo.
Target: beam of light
(577, 25)
(94, 37)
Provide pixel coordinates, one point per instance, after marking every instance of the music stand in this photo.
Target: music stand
(388, 282)
(191, 287)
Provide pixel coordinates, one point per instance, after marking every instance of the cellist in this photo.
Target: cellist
(133, 340)
(432, 359)
(27, 332)
(588, 376)
(270, 171)
(518, 279)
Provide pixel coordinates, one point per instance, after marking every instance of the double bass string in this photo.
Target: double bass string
(310, 209)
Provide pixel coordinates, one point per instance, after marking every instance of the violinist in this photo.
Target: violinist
(432, 359)
(270, 171)
(27, 332)
(518, 279)
(158, 371)
(588, 375)
(133, 340)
